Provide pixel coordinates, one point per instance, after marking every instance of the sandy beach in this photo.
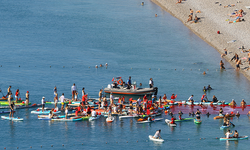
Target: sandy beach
(215, 16)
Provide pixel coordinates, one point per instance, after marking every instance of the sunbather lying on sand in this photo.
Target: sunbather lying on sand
(195, 19)
(178, 1)
(237, 20)
(229, 5)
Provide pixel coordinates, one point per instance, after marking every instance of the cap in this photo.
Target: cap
(43, 97)
(27, 91)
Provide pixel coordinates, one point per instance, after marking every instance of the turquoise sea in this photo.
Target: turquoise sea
(57, 43)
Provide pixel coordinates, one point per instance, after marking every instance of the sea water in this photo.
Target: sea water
(57, 43)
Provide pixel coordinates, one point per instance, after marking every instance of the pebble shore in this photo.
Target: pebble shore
(215, 16)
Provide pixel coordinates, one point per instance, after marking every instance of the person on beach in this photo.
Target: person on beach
(151, 83)
(191, 12)
(196, 19)
(62, 99)
(190, 17)
(157, 134)
(237, 20)
(12, 105)
(73, 90)
(17, 95)
(27, 98)
(222, 65)
(225, 52)
(243, 103)
(43, 103)
(178, 1)
(235, 57)
(238, 63)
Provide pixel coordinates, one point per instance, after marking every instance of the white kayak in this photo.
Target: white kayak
(150, 121)
(128, 116)
(169, 123)
(94, 118)
(110, 119)
(10, 118)
(156, 140)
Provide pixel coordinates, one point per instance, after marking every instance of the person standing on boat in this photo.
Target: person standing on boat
(17, 95)
(73, 90)
(43, 103)
(27, 98)
(129, 82)
(151, 83)
(62, 98)
(12, 109)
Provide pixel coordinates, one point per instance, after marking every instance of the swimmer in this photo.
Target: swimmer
(204, 73)
(106, 64)
(198, 114)
(180, 114)
(96, 66)
(233, 103)
(243, 103)
(238, 63)
(237, 114)
(101, 65)
(155, 15)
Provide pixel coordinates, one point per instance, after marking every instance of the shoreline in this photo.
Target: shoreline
(214, 17)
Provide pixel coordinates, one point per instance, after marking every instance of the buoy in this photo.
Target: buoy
(63, 66)
(149, 68)
(200, 138)
(51, 145)
(106, 142)
(216, 138)
(127, 141)
(191, 69)
(174, 69)
(5, 148)
(218, 32)
(82, 143)
(137, 141)
(62, 145)
(30, 146)
(17, 148)
(204, 138)
(188, 139)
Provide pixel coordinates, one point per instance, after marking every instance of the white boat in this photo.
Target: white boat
(117, 87)
(154, 139)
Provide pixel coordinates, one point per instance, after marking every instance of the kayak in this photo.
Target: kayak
(128, 116)
(235, 139)
(70, 119)
(10, 118)
(197, 121)
(85, 118)
(110, 119)
(227, 116)
(170, 124)
(225, 127)
(94, 118)
(184, 119)
(150, 121)
(7, 104)
(44, 112)
(156, 140)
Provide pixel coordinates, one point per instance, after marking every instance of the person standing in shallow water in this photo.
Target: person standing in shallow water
(222, 65)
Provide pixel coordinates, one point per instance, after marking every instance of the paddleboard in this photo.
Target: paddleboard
(153, 120)
(235, 139)
(225, 127)
(197, 121)
(184, 119)
(44, 112)
(156, 140)
(10, 118)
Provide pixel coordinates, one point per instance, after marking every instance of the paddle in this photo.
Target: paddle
(232, 124)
